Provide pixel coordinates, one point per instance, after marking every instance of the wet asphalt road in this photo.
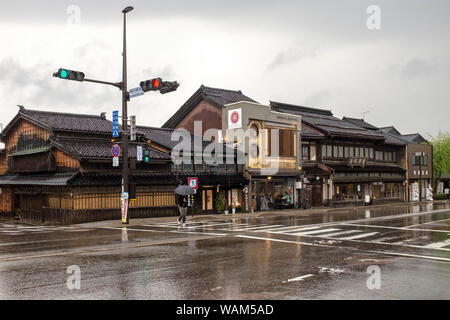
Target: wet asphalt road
(318, 256)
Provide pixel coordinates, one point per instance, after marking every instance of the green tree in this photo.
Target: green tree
(441, 155)
(220, 203)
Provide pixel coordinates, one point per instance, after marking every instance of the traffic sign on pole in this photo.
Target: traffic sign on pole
(115, 132)
(115, 150)
(139, 153)
(136, 92)
(115, 161)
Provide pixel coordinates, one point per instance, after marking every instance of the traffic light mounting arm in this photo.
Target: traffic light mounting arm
(115, 84)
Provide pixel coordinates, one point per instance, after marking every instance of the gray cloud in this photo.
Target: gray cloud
(294, 54)
(320, 51)
(417, 67)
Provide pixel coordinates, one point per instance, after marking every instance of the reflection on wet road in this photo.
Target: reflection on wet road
(268, 257)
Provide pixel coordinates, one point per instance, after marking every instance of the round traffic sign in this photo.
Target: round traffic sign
(115, 150)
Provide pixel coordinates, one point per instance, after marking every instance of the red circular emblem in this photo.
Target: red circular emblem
(234, 117)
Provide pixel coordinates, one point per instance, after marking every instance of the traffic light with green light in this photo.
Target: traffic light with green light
(69, 75)
(146, 155)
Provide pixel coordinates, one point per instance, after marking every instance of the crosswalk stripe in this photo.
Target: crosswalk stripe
(390, 238)
(438, 244)
(294, 229)
(360, 236)
(254, 229)
(314, 232)
(339, 233)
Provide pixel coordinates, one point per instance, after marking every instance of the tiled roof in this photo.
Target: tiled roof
(161, 136)
(391, 129)
(360, 122)
(389, 133)
(414, 138)
(394, 139)
(69, 121)
(326, 122)
(309, 132)
(215, 96)
(55, 179)
(101, 149)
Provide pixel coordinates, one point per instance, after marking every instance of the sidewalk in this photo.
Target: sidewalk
(259, 214)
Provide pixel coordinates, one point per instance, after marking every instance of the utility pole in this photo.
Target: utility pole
(125, 169)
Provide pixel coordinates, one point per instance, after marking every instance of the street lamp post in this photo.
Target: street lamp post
(125, 169)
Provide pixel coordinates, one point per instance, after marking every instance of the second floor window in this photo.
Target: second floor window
(305, 152)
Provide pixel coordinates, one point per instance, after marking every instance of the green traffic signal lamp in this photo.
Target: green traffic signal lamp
(69, 75)
(146, 155)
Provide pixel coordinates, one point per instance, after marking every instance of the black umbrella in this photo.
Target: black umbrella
(184, 190)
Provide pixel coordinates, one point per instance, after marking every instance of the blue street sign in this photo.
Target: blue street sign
(115, 129)
(136, 92)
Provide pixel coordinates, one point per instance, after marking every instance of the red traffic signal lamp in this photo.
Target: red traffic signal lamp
(69, 75)
(151, 85)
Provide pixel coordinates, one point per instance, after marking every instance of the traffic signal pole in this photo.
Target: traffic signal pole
(125, 169)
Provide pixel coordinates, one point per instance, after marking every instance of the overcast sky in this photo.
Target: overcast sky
(315, 53)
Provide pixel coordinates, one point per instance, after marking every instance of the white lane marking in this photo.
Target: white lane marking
(388, 227)
(360, 236)
(189, 226)
(419, 224)
(300, 278)
(174, 231)
(389, 217)
(328, 246)
(389, 238)
(314, 232)
(284, 241)
(413, 256)
(129, 229)
(194, 232)
(209, 225)
(438, 244)
(297, 228)
(339, 233)
(290, 227)
(253, 228)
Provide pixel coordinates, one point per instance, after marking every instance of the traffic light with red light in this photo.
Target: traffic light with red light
(69, 75)
(151, 85)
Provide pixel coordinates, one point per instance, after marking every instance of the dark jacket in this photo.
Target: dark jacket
(182, 202)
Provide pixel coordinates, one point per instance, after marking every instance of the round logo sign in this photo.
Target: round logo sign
(115, 150)
(234, 117)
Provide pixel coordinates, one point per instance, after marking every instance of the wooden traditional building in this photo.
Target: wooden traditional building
(205, 106)
(344, 162)
(57, 168)
(419, 163)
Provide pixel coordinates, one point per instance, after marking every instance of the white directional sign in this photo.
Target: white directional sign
(115, 161)
(136, 92)
(139, 153)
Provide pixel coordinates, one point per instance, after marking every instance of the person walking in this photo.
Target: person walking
(182, 206)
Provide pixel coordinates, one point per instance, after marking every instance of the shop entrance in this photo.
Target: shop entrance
(207, 199)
